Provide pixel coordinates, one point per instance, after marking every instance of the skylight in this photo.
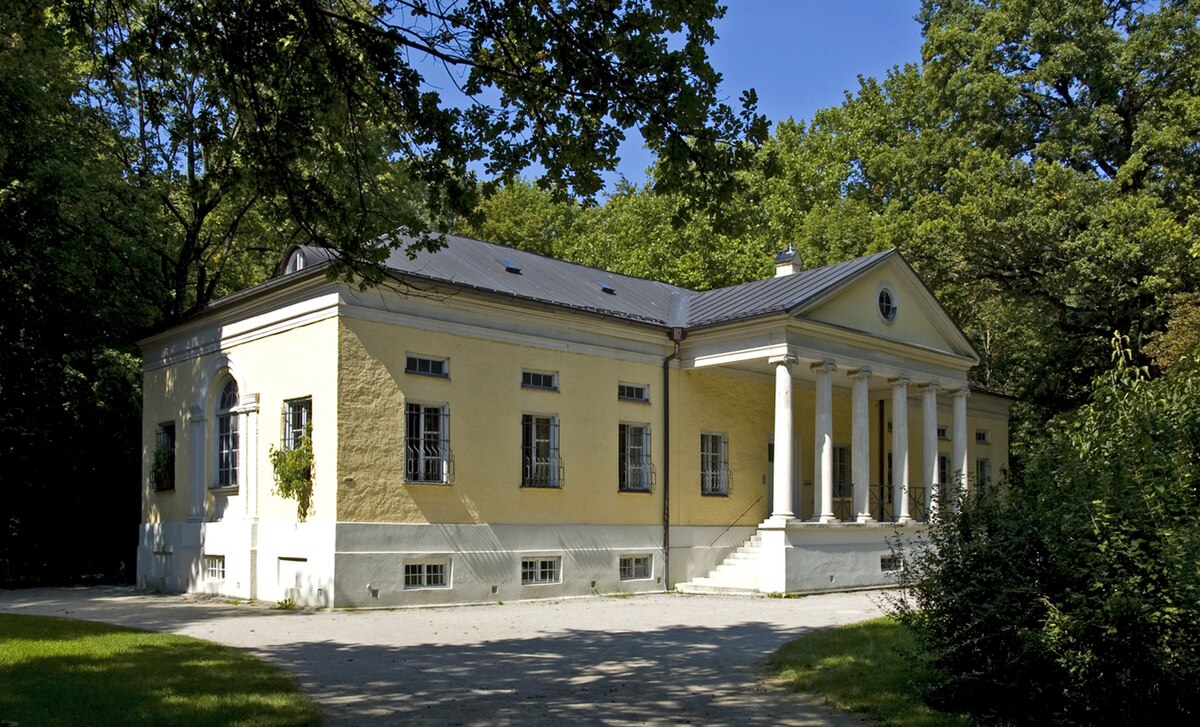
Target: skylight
(509, 265)
(605, 287)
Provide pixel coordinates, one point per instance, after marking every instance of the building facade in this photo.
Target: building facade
(492, 425)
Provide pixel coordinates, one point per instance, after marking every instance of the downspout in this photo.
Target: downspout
(676, 335)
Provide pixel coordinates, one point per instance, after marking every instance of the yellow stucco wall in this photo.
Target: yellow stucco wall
(486, 401)
(292, 364)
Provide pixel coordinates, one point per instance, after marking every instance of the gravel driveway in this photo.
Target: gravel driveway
(656, 659)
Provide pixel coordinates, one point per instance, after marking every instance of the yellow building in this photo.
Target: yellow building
(491, 424)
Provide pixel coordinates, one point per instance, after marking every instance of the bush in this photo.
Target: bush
(1073, 595)
(294, 473)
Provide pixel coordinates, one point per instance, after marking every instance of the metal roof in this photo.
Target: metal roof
(483, 266)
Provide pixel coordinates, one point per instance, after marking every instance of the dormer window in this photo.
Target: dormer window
(295, 263)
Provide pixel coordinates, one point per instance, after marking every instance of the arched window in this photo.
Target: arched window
(227, 436)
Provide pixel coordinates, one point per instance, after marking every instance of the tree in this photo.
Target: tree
(311, 120)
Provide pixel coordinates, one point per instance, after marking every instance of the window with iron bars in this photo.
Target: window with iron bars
(536, 571)
(714, 464)
(541, 465)
(635, 471)
(297, 415)
(427, 455)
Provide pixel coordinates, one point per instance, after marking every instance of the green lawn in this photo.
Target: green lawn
(861, 668)
(56, 671)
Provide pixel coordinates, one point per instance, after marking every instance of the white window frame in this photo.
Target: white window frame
(297, 416)
(635, 467)
(714, 464)
(214, 567)
(430, 573)
(536, 380)
(628, 567)
(228, 439)
(637, 393)
(428, 459)
(422, 365)
(541, 464)
(541, 570)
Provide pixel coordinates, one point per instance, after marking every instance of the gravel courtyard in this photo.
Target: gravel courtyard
(657, 659)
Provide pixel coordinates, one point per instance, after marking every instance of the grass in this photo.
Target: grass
(862, 668)
(56, 671)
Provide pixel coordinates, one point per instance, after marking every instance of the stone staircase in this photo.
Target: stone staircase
(736, 575)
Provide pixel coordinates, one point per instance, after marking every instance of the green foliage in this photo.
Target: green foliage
(294, 472)
(286, 604)
(61, 672)
(1073, 596)
(864, 668)
(163, 469)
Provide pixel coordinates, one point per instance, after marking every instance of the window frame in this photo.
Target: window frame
(294, 426)
(626, 466)
(228, 439)
(623, 392)
(424, 572)
(164, 436)
(425, 464)
(983, 472)
(630, 573)
(214, 567)
(843, 485)
(419, 359)
(533, 570)
(714, 465)
(531, 463)
(528, 380)
(983, 436)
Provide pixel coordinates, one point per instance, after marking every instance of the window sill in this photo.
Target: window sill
(226, 490)
(641, 491)
(526, 486)
(164, 489)
(411, 372)
(540, 388)
(427, 482)
(714, 494)
(631, 400)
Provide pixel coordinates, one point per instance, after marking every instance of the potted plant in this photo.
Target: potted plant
(164, 467)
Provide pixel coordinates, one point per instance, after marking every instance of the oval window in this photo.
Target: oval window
(887, 304)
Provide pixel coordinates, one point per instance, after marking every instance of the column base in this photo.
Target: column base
(904, 520)
(826, 519)
(864, 519)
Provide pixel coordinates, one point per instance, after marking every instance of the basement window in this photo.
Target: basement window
(539, 571)
(890, 563)
(427, 574)
(634, 567)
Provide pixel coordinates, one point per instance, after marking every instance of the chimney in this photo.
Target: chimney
(787, 262)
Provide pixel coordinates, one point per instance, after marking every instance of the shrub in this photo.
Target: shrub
(1072, 596)
(294, 473)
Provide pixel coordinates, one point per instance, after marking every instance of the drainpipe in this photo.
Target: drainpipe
(676, 335)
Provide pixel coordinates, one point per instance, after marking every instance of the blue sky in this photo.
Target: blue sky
(801, 55)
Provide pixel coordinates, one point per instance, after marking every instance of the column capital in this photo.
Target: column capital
(898, 382)
(785, 360)
(196, 413)
(962, 391)
(863, 373)
(827, 365)
(932, 386)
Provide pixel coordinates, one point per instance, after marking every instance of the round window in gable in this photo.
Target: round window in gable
(887, 304)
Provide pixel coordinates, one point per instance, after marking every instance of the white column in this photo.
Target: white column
(929, 453)
(781, 508)
(823, 448)
(860, 450)
(959, 463)
(197, 436)
(248, 458)
(900, 450)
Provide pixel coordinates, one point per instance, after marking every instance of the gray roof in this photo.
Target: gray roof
(495, 269)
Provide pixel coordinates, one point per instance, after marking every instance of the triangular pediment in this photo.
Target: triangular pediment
(918, 318)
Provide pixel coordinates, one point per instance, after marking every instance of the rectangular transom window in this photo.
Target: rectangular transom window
(427, 574)
(535, 571)
(427, 456)
(297, 415)
(634, 567)
(633, 392)
(714, 464)
(540, 462)
(943, 432)
(981, 436)
(635, 471)
(426, 366)
(214, 567)
(546, 380)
